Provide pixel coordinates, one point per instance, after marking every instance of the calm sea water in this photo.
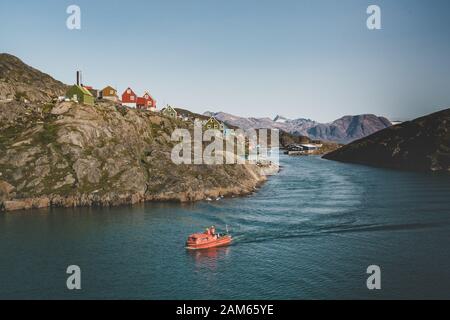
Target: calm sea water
(309, 233)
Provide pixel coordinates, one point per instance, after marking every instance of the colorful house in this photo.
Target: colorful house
(146, 102)
(93, 91)
(109, 93)
(129, 98)
(169, 112)
(80, 94)
(150, 101)
(141, 103)
(213, 124)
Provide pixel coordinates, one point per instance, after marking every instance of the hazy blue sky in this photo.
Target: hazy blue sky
(313, 59)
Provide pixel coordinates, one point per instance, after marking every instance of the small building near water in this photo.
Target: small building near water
(303, 149)
(310, 148)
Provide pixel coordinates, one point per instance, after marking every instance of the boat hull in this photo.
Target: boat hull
(221, 242)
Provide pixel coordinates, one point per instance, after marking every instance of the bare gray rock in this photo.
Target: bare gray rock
(87, 169)
(61, 108)
(6, 190)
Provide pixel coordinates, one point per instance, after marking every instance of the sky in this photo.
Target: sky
(311, 59)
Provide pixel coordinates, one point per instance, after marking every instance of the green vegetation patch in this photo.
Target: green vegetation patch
(47, 108)
(20, 95)
(48, 135)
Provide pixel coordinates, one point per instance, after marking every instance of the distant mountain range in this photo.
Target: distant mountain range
(422, 144)
(343, 130)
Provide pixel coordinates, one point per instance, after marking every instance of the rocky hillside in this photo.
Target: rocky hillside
(19, 81)
(75, 155)
(422, 145)
(287, 139)
(343, 130)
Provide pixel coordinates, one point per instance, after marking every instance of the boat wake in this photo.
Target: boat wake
(264, 236)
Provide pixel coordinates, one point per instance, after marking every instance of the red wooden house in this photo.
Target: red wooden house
(141, 103)
(150, 102)
(146, 102)
(129, 98)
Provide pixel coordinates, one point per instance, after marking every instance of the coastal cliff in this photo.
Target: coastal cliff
(68, 154)
(420, 145)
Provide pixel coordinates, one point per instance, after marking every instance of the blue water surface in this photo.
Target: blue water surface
(310, 232)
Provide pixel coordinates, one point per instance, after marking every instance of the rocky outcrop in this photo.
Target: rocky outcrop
(19, 81)
(287, 139)
(69, 154)
(422, 145)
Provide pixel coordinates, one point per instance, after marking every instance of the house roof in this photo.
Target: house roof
(83, 90)
(169, 108)
(108, 88)
(214, 120)
(127, 97)
(131, 93)
(150, 96)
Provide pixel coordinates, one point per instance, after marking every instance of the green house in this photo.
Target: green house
(80, 94)
(170, 112)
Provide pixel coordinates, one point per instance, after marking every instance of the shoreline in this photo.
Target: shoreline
(73, 155)
(113, 199)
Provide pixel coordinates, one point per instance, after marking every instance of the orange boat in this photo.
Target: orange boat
(207, 239)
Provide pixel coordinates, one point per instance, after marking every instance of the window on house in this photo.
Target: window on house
(111, 92)
(132, 97)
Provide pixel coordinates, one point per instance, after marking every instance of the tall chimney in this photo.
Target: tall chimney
(78, 78)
